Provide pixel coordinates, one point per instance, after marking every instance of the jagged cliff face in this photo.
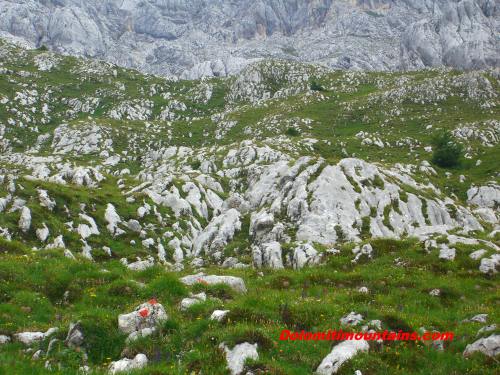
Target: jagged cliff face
(217, 37)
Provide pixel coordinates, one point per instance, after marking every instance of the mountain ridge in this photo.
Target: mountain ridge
(219, 38)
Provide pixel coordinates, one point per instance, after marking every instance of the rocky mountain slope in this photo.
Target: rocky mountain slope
(178, 226)
(217, 38)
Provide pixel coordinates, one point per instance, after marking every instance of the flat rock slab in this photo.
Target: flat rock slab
(236, 283)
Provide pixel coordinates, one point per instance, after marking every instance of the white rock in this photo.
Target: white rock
(304, 255)
(147, 315)
(57, 244)
(489, 346)
(125, 365)
(91, 225)
(171, 199)
(351, 319)
(489, 265)
(365, 250)
(112, 160)
(218, 233)
(260, 223)
(29, 338)
(107, 250)
(86, 250)
(145, 332)
(84, 231)
(4, 202)
(25, 220)
(142, 211)
(148, 242)
(37, 355)
(134, 226)
(197, 263)
(479, 318)
(178, 254)
(186, 303)
(267, 255)
(235, 283)
(161, 252)
(113, 219)
(218, 315)
(42, 233)
(487, 214)
(478, 254)
(45, 200)
(238, 355)
(484, 196)
(141, 265)
(446, 253)
(340, 354)
(4, 339)
(485, 329)
(435, 292)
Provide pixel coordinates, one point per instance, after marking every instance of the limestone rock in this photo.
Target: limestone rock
(237, 356)
(147, 315)
(484, 196)
(446, 253)
(42, 233)
(45, 200)
(29, 338)
(235, 283)
(219, 315)
(75, 336)
(125, 365)
(305, 255)
(267, 255)
(476, 255)
(218, 232)
(4, 339)
(351, 319)
(340, 354)
(113, 219)
(489, 346)
(186, 303)
(25, 219)
(490, 265)
(141, 265)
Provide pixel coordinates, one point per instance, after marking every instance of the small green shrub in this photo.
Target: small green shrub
(365, 227)
(292, 132)
(378, 182)
(341, 236)
(196, 164)
(11, 247)
(315, 86)
(447, 152)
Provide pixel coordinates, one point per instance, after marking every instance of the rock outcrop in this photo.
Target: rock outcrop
(368, 35)
(340, 354)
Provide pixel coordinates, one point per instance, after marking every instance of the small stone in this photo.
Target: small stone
(435, 292)
(219, 315)
(126, 365)
(489, 346)
(351, 319)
